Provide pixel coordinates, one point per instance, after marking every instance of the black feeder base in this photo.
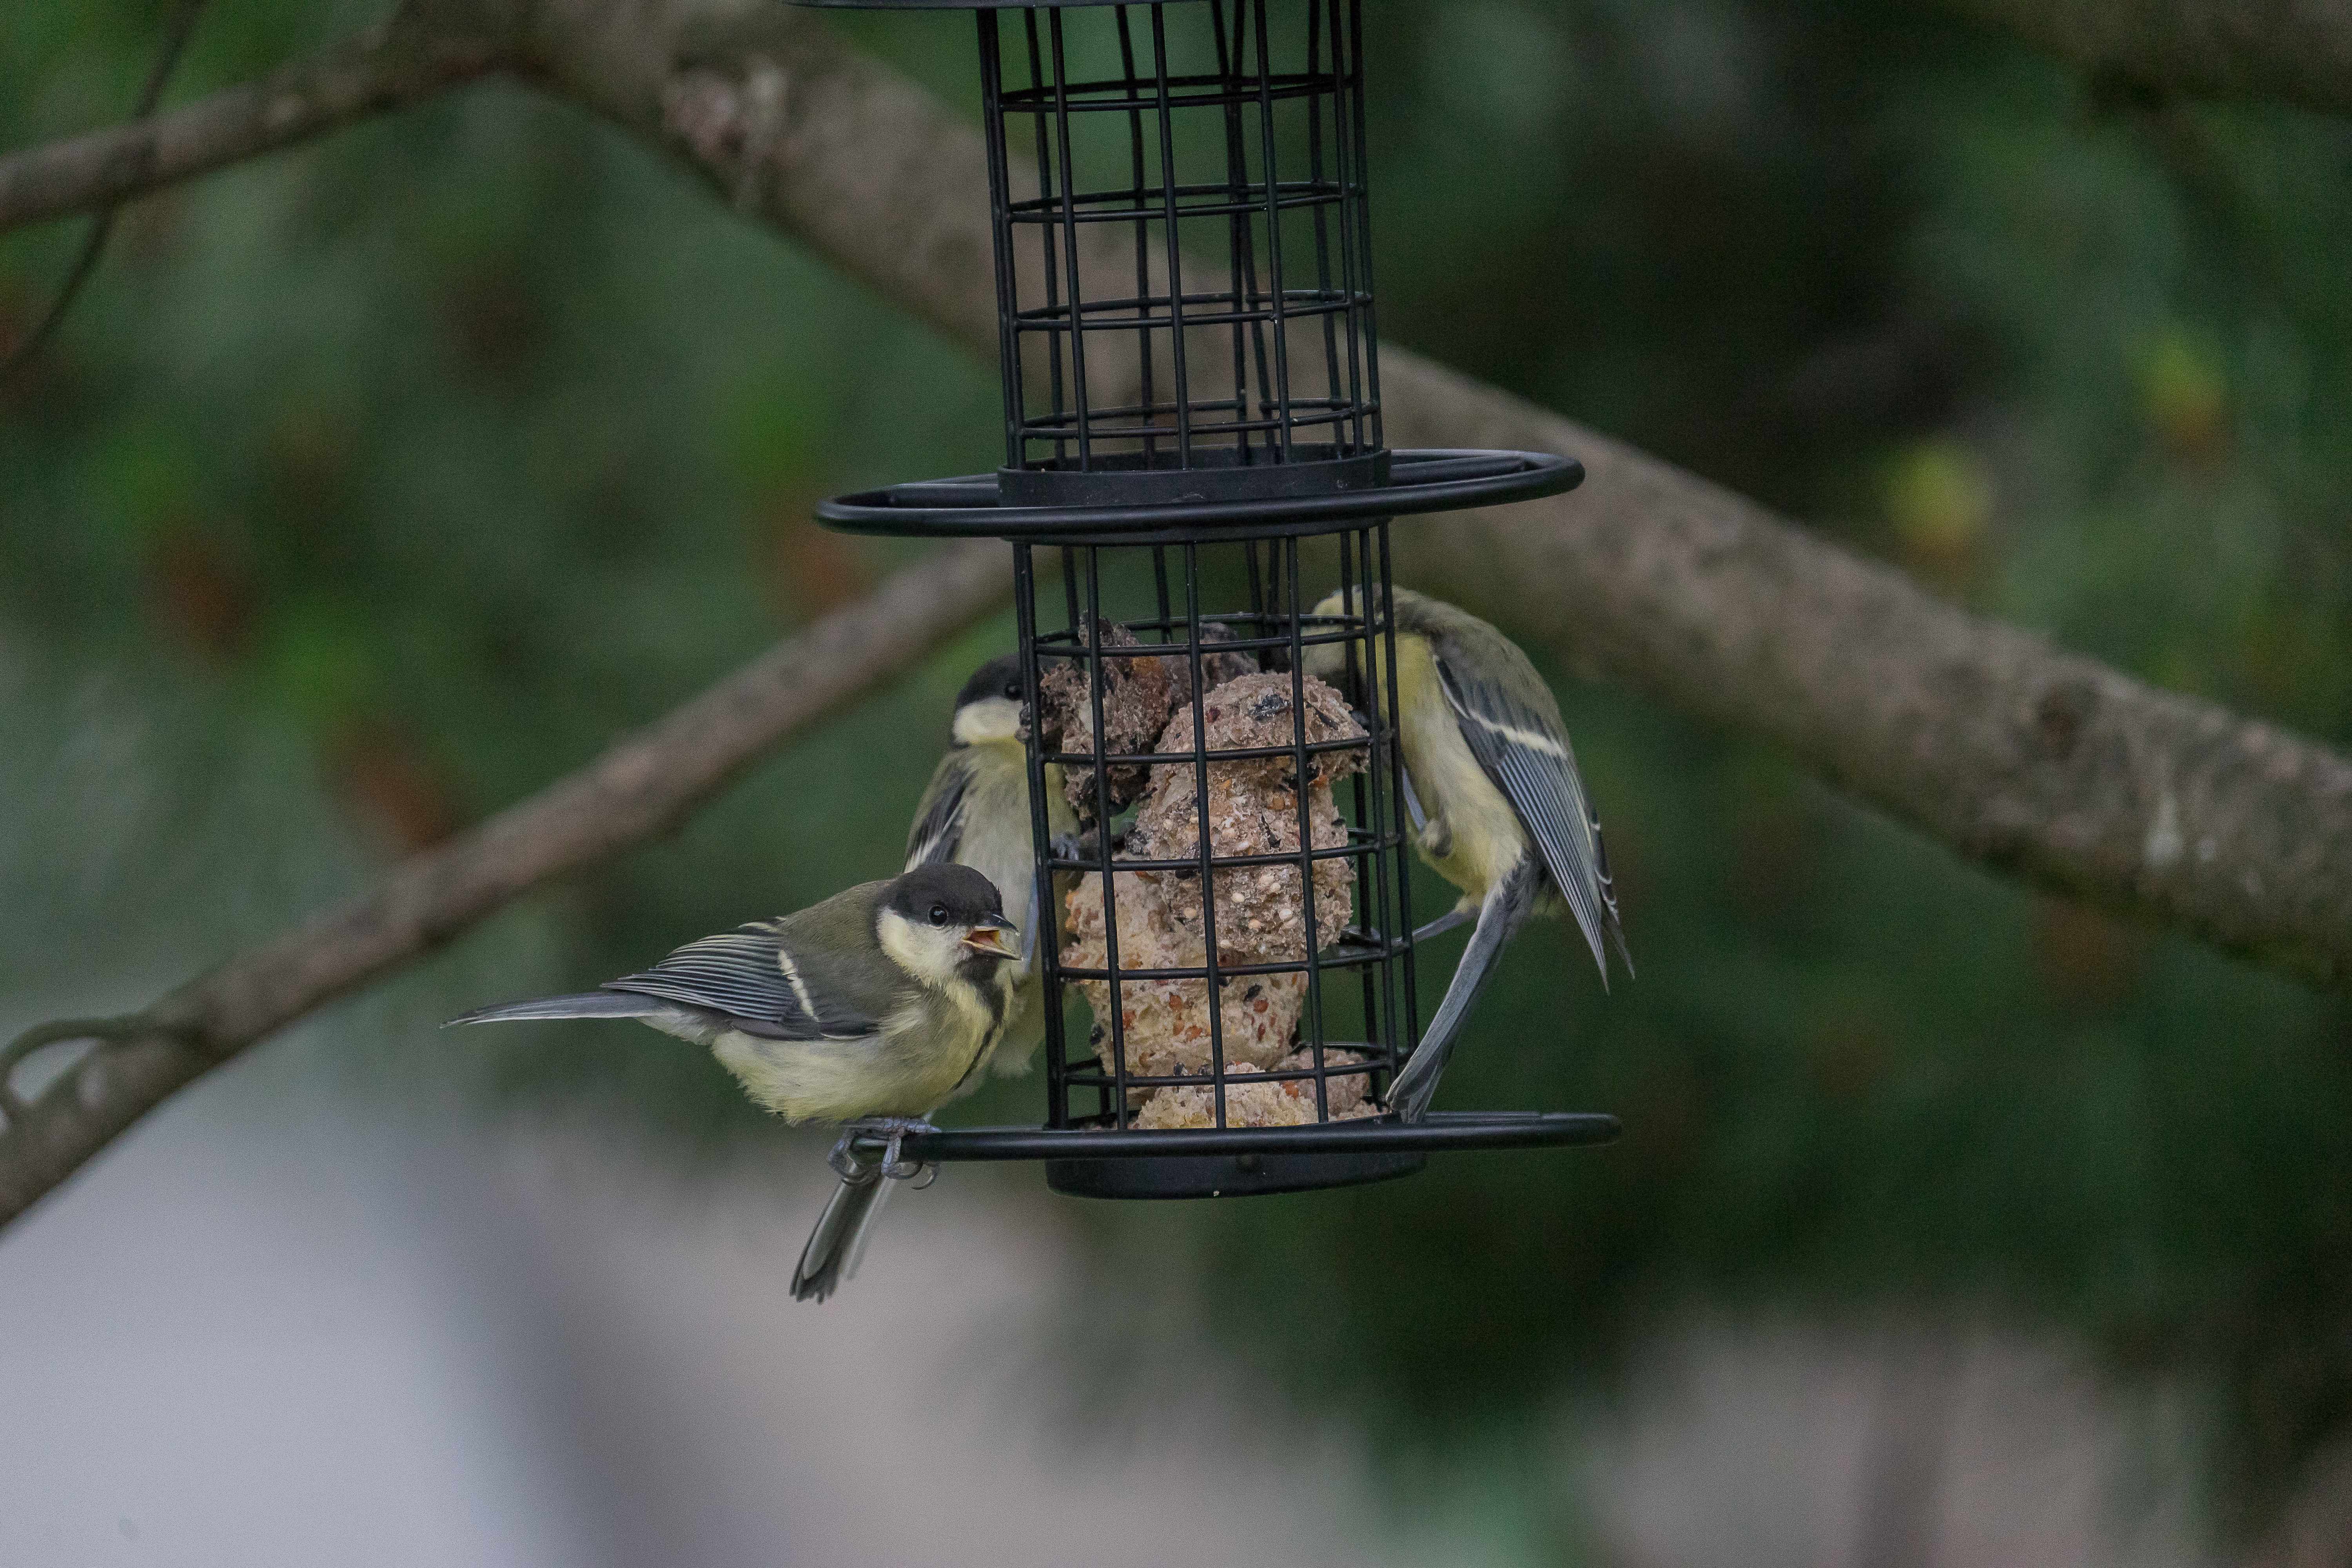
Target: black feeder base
(1225, 1175)
(1244, 1162)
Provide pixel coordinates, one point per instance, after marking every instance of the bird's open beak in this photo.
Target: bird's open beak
(994, 936)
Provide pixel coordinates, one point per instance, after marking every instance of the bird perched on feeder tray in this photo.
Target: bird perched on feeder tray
(1496, 806)
(873, 1008)
(976, 814)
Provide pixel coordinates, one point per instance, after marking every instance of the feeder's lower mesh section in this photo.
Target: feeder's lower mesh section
(1232, 918)
(1260, 915)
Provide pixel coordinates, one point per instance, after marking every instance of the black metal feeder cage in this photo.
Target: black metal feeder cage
(1192, 408)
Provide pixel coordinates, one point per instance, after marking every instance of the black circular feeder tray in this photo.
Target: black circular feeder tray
(1407, 483)
(1239, 1162)
(951, 5)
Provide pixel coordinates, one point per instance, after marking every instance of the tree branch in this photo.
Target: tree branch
(2037, 762)
(643, 786)
(2298, 51)
(405, 59)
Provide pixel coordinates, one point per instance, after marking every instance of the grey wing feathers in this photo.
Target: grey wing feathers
(745, 974)
(1528, 755)
(938, 833)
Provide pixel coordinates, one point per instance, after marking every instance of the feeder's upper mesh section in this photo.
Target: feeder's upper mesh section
(1183, 266)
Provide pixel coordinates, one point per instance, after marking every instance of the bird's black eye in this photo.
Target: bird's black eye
(938, 914)
(1013, 689)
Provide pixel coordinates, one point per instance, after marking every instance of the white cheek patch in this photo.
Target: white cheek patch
(927, 954)
(897, 938)
(1327, 661)
(977, 723)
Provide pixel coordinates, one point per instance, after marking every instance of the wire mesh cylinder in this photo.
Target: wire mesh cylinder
(1183, 266)
(1192, 437)
(1227, 943)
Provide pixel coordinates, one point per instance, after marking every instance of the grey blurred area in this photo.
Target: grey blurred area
(280, 1327)
(274, 1330)
(1780, 1443)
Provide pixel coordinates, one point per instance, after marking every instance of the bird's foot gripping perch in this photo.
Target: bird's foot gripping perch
(850, 1159)
(868, 1161)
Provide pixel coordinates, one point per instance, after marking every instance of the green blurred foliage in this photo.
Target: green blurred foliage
(373, 484)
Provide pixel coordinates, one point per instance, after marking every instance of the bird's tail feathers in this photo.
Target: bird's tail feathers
(838, 1241)
(1624, 955)
(1594, 938)
(1502, 912)
(585, 1005)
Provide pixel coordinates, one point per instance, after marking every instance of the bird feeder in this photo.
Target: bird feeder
(1192, 459)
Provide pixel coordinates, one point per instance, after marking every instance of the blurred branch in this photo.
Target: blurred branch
(2298, 51)
(2041, 764)
(407, 58)
(628, 60)
(176, 32)
(2038, 764)
(640, 788)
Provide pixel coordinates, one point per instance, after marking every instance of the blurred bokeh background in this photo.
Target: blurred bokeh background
(373, 485)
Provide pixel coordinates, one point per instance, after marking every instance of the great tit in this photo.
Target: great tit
(976, 814)
(873, 1008)
(1496, 806)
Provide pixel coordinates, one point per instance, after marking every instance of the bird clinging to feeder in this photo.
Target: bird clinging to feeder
(975, 813)
(874, 1008)
(1496, 805)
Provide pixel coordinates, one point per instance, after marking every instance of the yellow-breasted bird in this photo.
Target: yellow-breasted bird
(1496, 805)
(976, 814)
(875, 1007)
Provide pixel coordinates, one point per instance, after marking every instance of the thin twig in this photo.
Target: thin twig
(176, 32)
(61, 1031)
(401, 62)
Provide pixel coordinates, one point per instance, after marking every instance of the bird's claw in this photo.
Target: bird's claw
(893, 1131)
(1441, 925)
(844, 1159)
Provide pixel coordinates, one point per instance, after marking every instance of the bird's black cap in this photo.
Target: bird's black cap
(997, 677)
(963, 894)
